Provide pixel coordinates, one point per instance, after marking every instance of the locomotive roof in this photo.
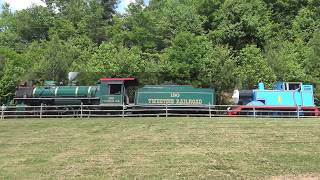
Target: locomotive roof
(129, 81)
(118, 79)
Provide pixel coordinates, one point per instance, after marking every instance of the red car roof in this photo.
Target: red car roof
(117, 79)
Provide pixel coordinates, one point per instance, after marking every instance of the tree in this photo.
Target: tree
(108, 7)
(177, 16)
(253, 67)
(218, 69)
(137, 28)
(185, 62)
(18, 29)
(284, 11)
(31, 24)
(89, 17)
(115, 61)
(313, 59)
(51, 60)
(305, 24)
(63, 6)
(154, 27)
(238, 23)
(12, 69)
(287, 59)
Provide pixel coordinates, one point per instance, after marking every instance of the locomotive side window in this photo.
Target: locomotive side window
(293, 86)
(115, 89)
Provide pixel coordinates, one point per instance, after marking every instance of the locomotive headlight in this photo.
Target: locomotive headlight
(235, 96)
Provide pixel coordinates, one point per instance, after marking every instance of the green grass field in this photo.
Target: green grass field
(159, 148)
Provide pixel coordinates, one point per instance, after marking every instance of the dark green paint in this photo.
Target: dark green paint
(175, 95)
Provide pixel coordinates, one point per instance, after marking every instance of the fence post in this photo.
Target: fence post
(123, 111)
(210, 110)
(2, 111)
(41, 110)
(254, 112)
(166, 110)
(81, 110)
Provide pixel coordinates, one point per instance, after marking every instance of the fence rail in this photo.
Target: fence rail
(86, 111)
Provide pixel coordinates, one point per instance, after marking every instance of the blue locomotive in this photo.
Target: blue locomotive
(283, 98)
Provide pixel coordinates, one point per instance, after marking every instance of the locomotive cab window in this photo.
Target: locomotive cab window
(115, 89)
(293, 86)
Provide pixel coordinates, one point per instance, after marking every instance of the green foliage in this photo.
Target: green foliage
(193, 60)
(52, 60)
(287, 60)
(219, 69)
(31, 24)
(238, 23)
(63, 28)
(115, 61)
(313, 64)
(12, 67)
(313, 59)
(305, 24)
(138, 29)
(182, 61)
(8, 36)
(253, 67)
(108, 8)
(284, 11)
(177, 16)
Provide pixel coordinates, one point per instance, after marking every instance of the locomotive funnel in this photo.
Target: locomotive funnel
(72, 76)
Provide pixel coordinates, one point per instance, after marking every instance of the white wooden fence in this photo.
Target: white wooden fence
(87, 111)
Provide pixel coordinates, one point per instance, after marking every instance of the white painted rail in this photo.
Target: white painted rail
(86, 111)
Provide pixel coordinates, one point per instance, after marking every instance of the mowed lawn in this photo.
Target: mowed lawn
(159, 148)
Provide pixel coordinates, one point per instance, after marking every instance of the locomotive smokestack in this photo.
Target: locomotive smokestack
(261, 86)
(72, 76)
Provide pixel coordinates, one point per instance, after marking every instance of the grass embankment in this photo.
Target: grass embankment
(158, 148)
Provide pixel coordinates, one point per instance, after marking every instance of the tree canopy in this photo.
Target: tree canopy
(207, 43)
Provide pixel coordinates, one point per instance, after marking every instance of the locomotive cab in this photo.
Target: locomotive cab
(287, 86)
(114, 91)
